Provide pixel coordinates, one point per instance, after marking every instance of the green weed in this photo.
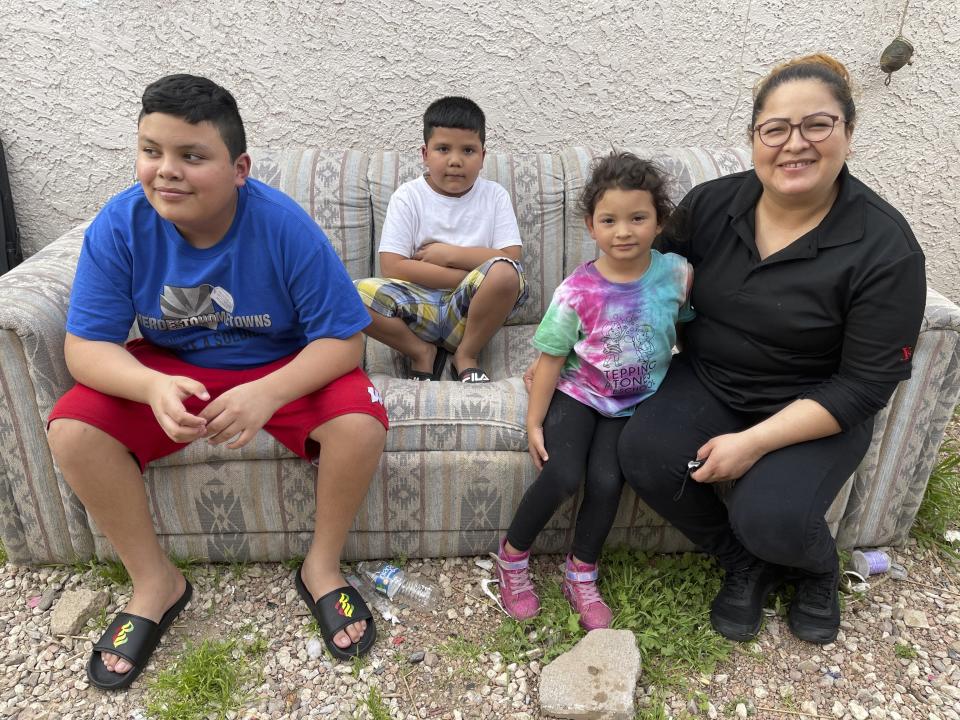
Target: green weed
(940, 509)
(100, 620)
(375, 706)
(208, 682)
(457, 647)
(110, 572)
(358, 663)
(292, 563)
(902, 650)
(3, 554)
(655, 709)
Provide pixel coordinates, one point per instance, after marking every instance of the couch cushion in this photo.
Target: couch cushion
(687, 166)
(535, 184)
(331, 185)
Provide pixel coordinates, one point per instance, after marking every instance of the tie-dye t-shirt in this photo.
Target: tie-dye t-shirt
(617, 337)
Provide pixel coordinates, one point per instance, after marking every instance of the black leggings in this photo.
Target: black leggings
(576, 437)
(774, 512)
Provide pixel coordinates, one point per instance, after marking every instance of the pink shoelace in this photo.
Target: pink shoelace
(516, 575)
(585, 586)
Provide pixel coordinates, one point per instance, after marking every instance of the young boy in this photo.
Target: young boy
(449, 253)
(249, 321)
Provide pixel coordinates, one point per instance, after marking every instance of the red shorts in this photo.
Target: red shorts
(134, 425)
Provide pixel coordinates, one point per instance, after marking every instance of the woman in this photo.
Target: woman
(809, 291)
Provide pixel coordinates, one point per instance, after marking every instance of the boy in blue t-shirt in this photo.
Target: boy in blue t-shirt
(249, 321)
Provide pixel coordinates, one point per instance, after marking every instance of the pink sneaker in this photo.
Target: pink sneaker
(580, 588)
(516, 589)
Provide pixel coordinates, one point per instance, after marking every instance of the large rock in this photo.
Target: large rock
(74, 608)
(594, 681)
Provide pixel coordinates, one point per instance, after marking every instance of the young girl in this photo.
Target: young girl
(605, 344)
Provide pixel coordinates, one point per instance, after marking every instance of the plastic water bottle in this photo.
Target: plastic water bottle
(394, 583)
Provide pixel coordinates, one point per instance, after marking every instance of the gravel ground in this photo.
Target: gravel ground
(860, 676)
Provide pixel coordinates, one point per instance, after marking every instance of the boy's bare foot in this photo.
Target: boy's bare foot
(151, 599)
(319, 582)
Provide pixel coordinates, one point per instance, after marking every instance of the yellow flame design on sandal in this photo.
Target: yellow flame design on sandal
(343, 605)
(121, 637)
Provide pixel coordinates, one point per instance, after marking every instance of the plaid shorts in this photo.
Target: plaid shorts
(437, 316)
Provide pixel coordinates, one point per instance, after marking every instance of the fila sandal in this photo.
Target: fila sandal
(470, 375)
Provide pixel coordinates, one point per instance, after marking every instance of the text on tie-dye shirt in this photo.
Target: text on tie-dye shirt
(617, 337)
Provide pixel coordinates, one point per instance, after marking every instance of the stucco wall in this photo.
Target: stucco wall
(345, 73)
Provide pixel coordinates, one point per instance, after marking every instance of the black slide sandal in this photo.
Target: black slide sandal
(133, 638)
(334, 611)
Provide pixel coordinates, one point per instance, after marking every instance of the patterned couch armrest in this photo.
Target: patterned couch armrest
(889, 485)
(40, 519)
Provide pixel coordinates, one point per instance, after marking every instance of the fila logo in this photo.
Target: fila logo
(374, 395)
(906, 352)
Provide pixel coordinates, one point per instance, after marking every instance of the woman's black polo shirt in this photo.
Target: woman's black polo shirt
(833, 317)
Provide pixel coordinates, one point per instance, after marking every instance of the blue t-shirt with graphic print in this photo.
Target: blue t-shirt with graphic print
(272, 285)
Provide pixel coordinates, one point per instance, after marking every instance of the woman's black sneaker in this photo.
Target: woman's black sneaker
(815, 611)
(737, 610)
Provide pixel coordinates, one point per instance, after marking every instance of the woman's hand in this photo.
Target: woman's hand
(727, 457)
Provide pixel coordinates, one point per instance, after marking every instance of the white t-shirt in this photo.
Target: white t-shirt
(418, 215)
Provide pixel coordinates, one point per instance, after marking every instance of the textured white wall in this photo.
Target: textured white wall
(346, 73)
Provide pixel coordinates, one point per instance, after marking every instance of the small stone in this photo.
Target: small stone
(858, 711)
(915, 619)
(597, 678)
(741, 711)
(74, 608)
(808, 666)
(809, 707)
(838, 709)
(417, 656)
(314, 648)
(46, 600)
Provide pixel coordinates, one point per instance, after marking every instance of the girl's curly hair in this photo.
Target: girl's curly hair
(625, 171)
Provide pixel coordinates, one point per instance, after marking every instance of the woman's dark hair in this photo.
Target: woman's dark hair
(830, 71)
(625, 171)
(195, 100)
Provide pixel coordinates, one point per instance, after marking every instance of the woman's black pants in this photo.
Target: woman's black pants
(775, 512)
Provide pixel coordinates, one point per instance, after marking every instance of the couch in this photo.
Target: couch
(455, 464)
